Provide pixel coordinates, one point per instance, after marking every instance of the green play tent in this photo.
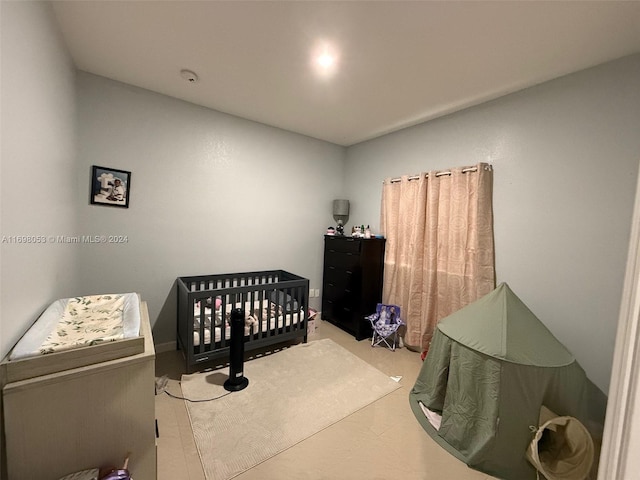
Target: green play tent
(490, 369)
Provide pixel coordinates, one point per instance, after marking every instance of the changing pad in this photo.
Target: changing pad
(81, 321)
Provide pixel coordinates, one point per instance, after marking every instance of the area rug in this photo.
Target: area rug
(292, 394)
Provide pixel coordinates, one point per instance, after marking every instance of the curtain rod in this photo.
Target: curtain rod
(438, 174)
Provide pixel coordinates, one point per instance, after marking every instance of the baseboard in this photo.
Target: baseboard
(165, 347)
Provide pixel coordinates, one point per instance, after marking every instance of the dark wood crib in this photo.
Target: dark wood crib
(275, 302)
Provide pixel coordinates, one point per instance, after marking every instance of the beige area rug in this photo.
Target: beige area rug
(292, 394)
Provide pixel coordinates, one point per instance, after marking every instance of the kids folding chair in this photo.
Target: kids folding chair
(385, 324)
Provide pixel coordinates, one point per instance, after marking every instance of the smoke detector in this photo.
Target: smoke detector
(189, 76)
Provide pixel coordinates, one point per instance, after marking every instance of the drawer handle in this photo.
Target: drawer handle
(348, 272)
(332, 268)
(331, 285)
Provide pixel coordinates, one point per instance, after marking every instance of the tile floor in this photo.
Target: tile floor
(383, 441)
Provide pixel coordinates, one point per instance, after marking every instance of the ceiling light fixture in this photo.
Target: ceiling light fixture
(325, 59)
(189, 76)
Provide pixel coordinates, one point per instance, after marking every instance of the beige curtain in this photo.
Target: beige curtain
(439, 253)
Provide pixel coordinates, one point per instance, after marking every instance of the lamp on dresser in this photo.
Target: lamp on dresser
(340, 214)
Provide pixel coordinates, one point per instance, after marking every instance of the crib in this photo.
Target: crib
(275, 305)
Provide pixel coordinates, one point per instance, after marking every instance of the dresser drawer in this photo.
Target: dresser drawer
(343, 260)
(351, 245)
(337, 312)
(341, 273)
(347, 291)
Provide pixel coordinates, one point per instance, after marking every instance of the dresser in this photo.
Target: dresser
(352, 282)
(81, 415)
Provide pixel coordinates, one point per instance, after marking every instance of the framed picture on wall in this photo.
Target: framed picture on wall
(110, 187)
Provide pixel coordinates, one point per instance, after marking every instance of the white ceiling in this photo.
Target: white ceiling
(400, 63)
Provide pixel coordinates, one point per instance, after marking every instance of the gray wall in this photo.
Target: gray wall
(211, 193)
(565, 156)
(38, 172)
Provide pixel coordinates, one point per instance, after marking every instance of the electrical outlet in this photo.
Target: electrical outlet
(317, 292)
(311, 293)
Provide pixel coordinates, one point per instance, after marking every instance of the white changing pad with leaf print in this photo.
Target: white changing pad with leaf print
(79, 322)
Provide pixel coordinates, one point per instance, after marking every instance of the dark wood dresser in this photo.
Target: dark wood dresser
(352, 282)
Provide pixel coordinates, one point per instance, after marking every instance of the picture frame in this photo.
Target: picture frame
(110, 187)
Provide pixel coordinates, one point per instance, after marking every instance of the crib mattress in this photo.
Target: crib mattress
(256, 328)
(77, 322)
(259, 309)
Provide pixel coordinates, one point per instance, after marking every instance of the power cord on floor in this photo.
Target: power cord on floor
(161, 386)
(195, 401)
